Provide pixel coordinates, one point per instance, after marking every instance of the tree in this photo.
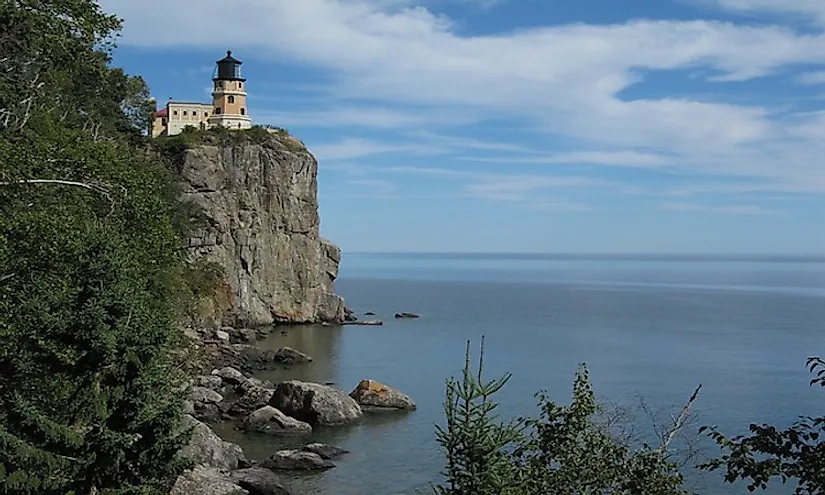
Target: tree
(566, 450)
(91, 392)
(796, 453)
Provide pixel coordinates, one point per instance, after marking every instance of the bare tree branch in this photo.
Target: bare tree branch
(92, 187)
(679, 421)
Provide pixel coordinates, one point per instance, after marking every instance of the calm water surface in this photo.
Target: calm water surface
(645, 327)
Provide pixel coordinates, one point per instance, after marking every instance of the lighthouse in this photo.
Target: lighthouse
(229, 95)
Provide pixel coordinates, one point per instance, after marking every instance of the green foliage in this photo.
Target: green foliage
(474, 440)
(91, 384)
(566, 450)
(796, 453)
(173, 148)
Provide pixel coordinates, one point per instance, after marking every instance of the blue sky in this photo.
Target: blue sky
(526, 125)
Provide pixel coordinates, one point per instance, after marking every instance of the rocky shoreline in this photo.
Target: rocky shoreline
(226, 391)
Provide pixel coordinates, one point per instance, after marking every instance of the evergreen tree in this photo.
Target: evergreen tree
(91, 396)
(567, 450)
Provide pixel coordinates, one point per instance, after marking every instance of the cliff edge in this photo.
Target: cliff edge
(259, 202)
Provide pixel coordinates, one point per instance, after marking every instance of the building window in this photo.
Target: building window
(240, 85)
(218, 110)
(184, 113)
(243, 111)
(175, 112)
(231, 99)
(163, 121)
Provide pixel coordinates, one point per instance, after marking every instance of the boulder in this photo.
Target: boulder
(253, 382)
(222, 336)
(288, 355)
(325, 451)
(212, 382)
(373, 395)
(254, 397)
(229, 375)
(406, 315)
(297, 460)
(204, 395)
(259, 481)
(369, 313)
(204, 480)
(273, 422)
(249, 358)
(207, 412)
(315, 404)
(207, 448)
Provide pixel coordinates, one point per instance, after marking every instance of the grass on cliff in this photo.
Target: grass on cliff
(174, 147)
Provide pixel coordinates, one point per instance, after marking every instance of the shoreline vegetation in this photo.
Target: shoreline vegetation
(107, 379)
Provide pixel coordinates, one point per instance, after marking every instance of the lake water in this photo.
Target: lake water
(649, 327)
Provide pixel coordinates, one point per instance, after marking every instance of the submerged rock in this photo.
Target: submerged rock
(365, 323)
(315, 404)
(325, 451)
(273, 422)
(297, 460)
(259, 481)
(288, 355)
(204, 480)
(406, 315)
(373, 395)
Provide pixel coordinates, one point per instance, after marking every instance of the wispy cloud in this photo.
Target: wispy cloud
(724, 209)
(351, 148)
(396, 53)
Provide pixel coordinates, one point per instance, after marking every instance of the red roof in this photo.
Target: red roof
(163, 112)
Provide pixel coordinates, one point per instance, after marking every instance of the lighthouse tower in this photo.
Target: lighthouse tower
(229, 96)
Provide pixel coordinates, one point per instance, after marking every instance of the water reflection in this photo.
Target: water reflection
(320, 342)
(323, 344)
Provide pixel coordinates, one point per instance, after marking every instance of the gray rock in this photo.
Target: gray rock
(212, 382)
(252, 381)
(315, 404)
(188, 407)
(259, 481)
(288, 355)
(262, 226)
(273, 422)
(207, 448)
(406, 315)
(297, 460)
(371, 395)
(204, 395)
(222, 336)
(325, 451)
(254, 397)
(229, 375)
(205, 480)
(207, 412)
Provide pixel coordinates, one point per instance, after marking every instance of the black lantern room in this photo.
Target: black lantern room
(229, 69)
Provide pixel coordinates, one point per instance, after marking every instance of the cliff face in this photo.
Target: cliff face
(262, 226)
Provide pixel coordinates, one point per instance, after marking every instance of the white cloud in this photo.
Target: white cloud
(809, 10)
(817, 77)
(564, 79)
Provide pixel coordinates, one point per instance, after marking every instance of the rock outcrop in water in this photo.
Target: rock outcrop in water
(259, 202)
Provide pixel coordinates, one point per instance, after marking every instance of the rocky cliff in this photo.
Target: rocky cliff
(260, 206)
